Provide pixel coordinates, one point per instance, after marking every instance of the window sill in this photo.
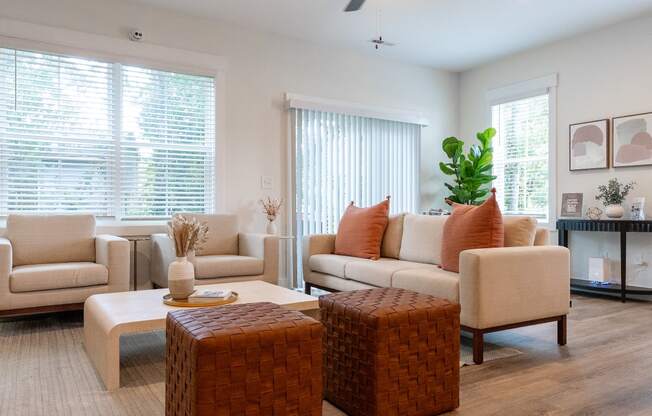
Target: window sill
(119, 228)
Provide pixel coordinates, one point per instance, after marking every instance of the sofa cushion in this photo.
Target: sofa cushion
(332, 264)
(519, 230)
(36, 277)
(379, 273)
(469, 227)
(391, 247)
(422, 238)
(222, 236)
(210, 267)
(41, 239)
(434, 282)
(361, 230)
(542, 237)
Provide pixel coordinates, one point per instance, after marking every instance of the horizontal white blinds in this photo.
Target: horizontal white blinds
(167, 143)
(521, 156)
(78, 135)
(56, 143)
(342, 158)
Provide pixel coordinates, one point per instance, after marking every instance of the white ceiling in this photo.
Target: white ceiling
(447, 34)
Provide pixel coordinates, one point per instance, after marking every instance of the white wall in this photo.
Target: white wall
(602, 74)
(261, 68)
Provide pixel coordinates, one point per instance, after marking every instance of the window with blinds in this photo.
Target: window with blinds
(342, 158)
(78, 135)
(521, 156)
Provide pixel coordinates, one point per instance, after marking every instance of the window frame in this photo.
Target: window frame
(34, 38)
(528, 89)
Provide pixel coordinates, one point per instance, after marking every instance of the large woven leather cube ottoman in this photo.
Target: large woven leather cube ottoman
(250, 359)
(391, 352)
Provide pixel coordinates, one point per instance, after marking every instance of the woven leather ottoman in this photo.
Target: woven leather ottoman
(391, 352)
(250, 359)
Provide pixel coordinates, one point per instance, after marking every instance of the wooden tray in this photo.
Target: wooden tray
(183, 303)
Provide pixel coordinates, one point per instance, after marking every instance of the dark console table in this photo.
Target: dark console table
(617, 226)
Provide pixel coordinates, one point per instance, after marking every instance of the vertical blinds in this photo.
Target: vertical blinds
(78, 135)
(342, 158)
(521, 156)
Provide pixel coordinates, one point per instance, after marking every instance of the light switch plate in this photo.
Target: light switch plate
(266, 182)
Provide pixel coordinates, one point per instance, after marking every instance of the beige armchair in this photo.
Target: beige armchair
(55, 262)
(227, 256)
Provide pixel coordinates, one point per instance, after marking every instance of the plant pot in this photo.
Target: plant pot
(614, 211)
(271, 228)
(181, 278)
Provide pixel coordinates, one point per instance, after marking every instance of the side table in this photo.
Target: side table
(135, 239)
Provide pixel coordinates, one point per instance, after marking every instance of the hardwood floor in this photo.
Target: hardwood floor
(605, 369)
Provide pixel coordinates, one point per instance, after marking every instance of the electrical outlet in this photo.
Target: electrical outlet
(266, 182)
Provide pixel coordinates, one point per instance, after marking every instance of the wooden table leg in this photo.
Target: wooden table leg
(623, 266)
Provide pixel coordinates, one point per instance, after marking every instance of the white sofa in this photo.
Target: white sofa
(52, 263)
(227, 256)
(526, 283)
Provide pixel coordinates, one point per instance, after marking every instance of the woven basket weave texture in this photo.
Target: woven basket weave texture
(250, 359)
(391, 352)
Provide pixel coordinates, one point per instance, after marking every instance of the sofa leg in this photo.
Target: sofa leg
(562, 329)
(478, 346)
(307, 288)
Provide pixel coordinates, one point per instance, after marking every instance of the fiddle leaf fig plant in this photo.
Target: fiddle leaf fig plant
(471, 171)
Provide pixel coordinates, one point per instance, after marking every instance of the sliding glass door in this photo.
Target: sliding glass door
(342, 158)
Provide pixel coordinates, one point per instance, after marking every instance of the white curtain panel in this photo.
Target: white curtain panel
(342, 158)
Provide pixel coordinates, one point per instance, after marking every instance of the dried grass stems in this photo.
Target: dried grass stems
(187, 233)
(271, 207)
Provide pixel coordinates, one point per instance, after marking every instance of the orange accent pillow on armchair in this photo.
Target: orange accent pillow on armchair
(361, 231)
(469, 227)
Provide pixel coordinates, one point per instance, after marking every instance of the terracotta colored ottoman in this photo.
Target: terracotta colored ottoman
(250, 359)
(391, 352)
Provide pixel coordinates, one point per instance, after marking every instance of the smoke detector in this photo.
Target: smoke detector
(135, 35)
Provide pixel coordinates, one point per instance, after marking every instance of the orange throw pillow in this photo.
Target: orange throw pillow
(470, 227)
(361, 231)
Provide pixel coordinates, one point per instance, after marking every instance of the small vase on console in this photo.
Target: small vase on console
(271, 228)
(612, 195)
(614, 211)
(271, 209)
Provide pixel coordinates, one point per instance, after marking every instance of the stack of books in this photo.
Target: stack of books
(209, 295)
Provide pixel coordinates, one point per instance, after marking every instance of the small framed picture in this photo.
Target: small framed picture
(637, 212)
(632, 140)
(571, 205)
(589, 145)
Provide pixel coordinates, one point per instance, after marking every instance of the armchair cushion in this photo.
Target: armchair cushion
(38, 277)
(222, 237)
(40, 239)
(210, 267)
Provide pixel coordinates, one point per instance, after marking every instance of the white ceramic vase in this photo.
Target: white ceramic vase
(271, 228)
(614, 211)
(181, 278)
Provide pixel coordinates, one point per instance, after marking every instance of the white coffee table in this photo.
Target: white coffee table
(108, 316)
